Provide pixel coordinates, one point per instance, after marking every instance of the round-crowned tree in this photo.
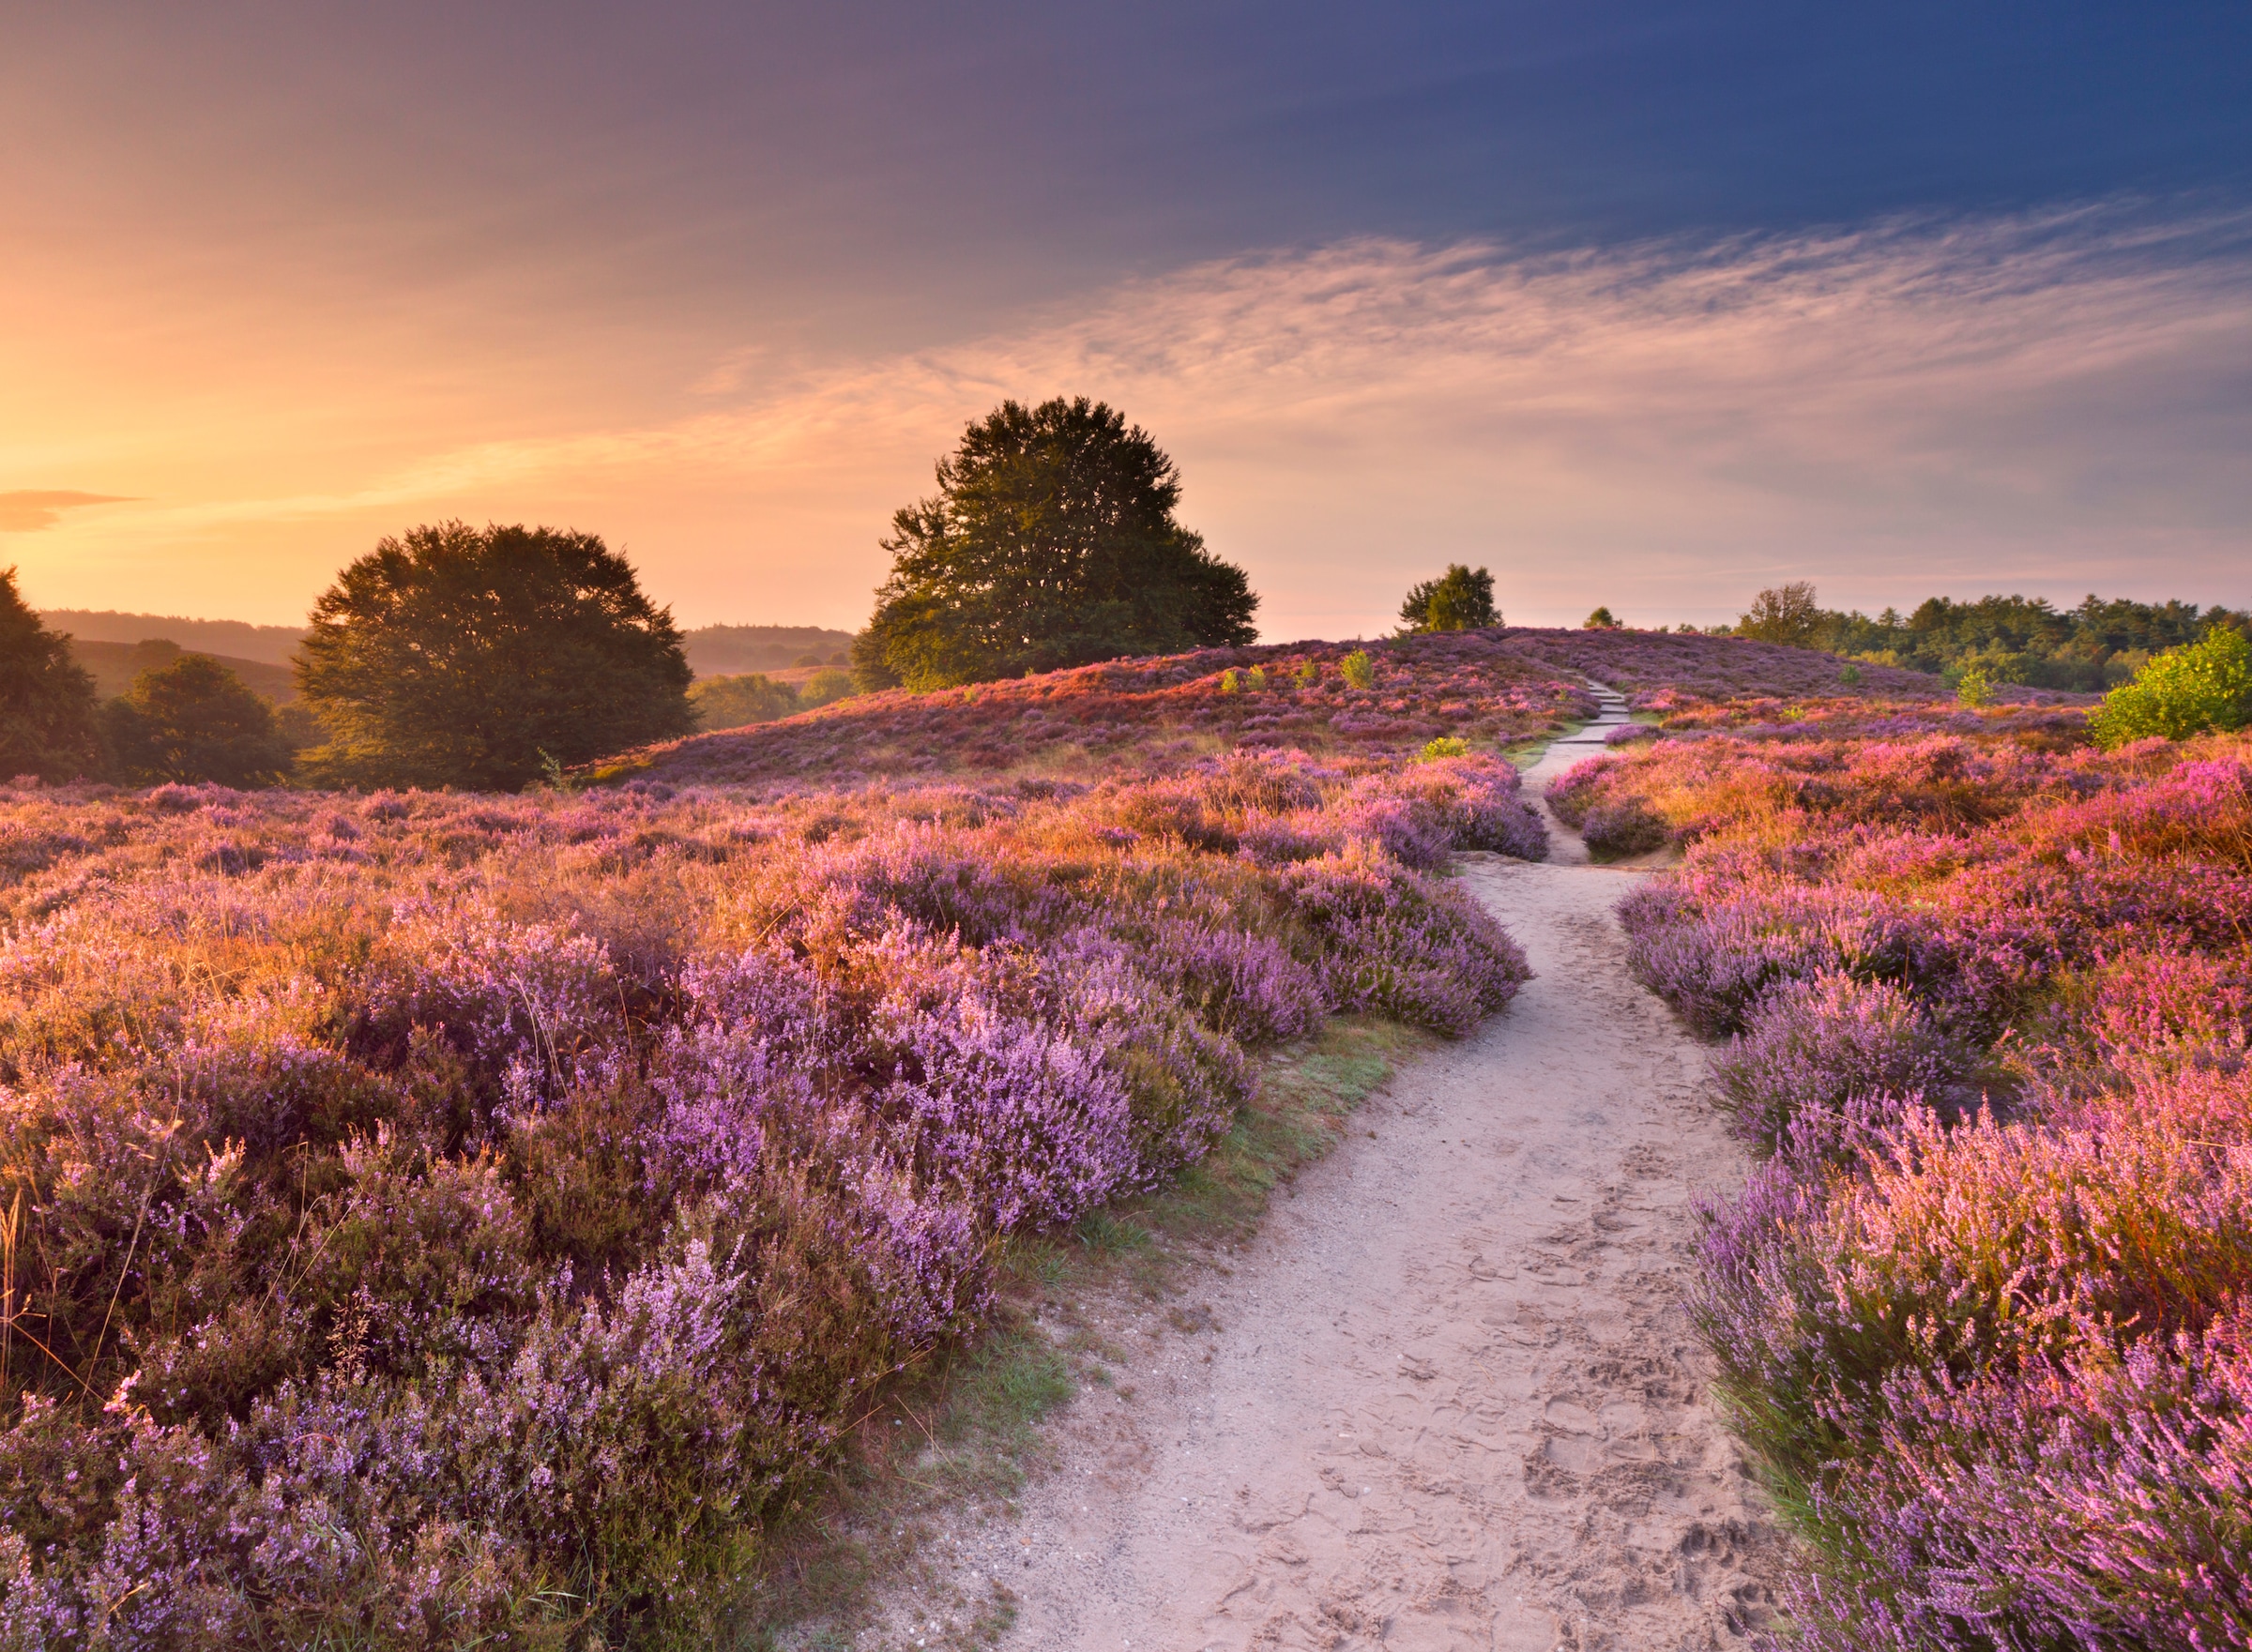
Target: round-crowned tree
(47, 719)
(478, 657)
(1050, 542)
(1460, 599)
(194, 720)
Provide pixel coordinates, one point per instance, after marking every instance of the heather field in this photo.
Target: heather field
(1985, 994)
(1145, 716)
(436, 1217)
(433, 1218)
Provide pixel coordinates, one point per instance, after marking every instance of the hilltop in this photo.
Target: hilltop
(115, 665)
(232, 641)
(1130, 717)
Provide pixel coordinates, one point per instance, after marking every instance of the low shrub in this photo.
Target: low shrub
(2184, 691)
(451, 1218)
(1978, 1311)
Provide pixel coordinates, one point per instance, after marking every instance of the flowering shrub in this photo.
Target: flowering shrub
(1146, 717)
(433, 1217)
(1979, 1308)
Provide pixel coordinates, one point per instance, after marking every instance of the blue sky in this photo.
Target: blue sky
(1642, 304)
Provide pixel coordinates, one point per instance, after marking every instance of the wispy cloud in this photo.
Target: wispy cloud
(2051, 402)
(27, 510)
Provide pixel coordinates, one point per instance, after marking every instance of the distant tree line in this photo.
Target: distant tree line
(186, 718)
(2095, 645)
(453, 657)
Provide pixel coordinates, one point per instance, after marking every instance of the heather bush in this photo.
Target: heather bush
(433, 1217)
(1815, 1043)
(2100, 1503)
(1978, 1310)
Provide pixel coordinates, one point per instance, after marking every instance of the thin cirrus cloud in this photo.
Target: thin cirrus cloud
(28, 510)
(2048, 403)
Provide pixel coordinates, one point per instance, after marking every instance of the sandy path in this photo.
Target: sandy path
(1447, 1398)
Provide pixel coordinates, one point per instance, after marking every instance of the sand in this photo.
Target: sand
(1448, 1398)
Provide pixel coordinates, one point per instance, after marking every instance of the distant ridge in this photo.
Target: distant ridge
(713, 650)
(718, 650)
(115, 665)
(269, 644)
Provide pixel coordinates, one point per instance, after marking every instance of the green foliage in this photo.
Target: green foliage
(2185, 691)
(1460, 599)
(1358, 670)
(194, 720)
(2095, 645)
(1974, 689)
(1444, 746)
(730, 702)
(47, 724)
(825, 687)
(1256, 679)
(1051, 542)
(1849, 675)
(871, 672)
(1231, 681)
(456, 656)
(1307, 673)
(1788, 615)
(1601, 620)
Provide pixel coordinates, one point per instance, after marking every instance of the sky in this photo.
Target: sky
(1646, 305)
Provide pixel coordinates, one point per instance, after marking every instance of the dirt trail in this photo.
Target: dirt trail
(1448, 1398)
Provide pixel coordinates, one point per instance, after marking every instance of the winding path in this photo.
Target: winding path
(1448, 1398)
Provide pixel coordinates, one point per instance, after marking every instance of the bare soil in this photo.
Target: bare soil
(1447, 1398)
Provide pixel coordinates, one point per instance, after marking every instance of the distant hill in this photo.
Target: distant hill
(713, 650)
(231, 639)
(115, 665)
(723, 650)
(1155, 716)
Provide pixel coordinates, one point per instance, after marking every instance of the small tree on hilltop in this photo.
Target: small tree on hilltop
(475, 657)
(194, 720)
(1460, 599)
(1601, 620)
(47, 699)
(1050, 542)
(1785, 613)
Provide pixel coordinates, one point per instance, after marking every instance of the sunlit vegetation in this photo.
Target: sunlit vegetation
(1985, 992)
(436, 1215)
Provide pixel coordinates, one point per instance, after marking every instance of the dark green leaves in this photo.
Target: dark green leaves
(1051, 542)
(458, 656)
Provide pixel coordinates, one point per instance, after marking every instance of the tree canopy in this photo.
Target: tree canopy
(1051, 542)
(194, 720)
(745, 697)
(1460, 599)
(47, 721)
(467, 657)
(2098, 644)
(2186, 690)
(1788, 615)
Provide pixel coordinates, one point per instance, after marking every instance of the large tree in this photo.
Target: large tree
(1050, 542)
(472, 658)
(47, 698)
(194, 720)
